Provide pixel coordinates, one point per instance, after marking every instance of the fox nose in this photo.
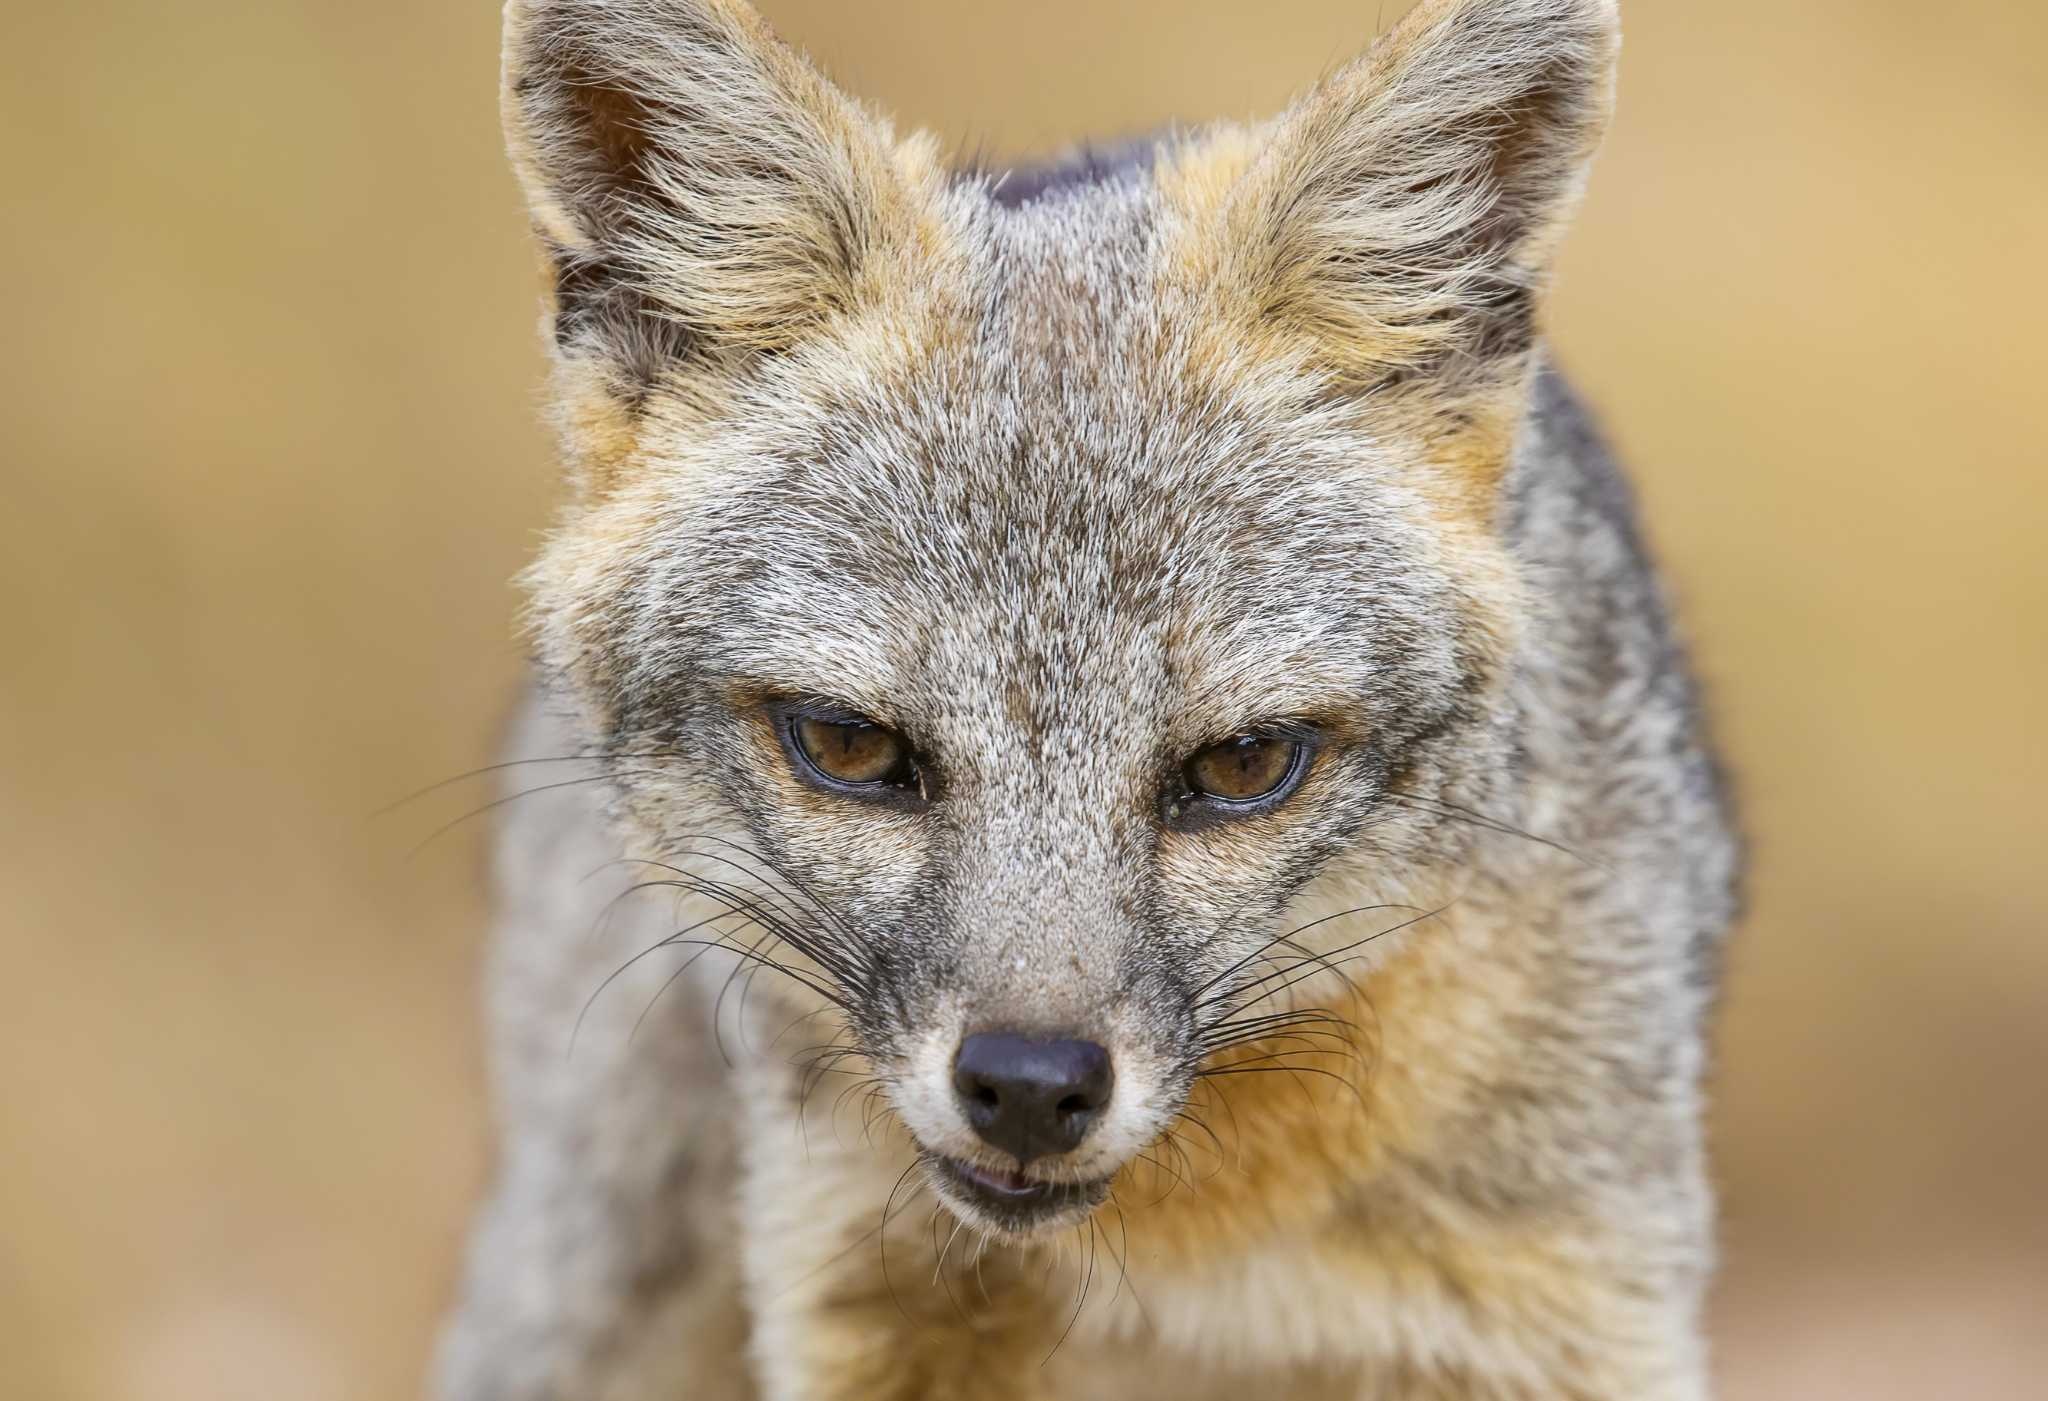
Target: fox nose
(1028, 1097)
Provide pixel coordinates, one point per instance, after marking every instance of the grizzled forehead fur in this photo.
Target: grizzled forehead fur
(1049, 513)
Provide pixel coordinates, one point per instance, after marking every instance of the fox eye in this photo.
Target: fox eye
(853, 753)
(1245, 773)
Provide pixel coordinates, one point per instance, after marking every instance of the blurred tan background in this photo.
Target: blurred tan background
(268, 457)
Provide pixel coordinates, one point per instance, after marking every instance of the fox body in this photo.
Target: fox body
(1142, 829)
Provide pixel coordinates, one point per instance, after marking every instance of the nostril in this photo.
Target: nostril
(985, 1097)
(1075, 1104)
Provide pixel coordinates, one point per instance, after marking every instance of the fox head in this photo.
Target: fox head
(1035, 599)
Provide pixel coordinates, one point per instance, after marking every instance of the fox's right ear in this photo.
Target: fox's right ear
(702, 192)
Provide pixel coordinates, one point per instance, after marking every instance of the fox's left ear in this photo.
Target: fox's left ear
(1403, 217)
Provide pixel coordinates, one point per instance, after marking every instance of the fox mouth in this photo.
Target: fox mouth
(1011, 1201)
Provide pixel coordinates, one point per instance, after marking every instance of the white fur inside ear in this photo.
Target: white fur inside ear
(1421, 190)
(685, 164)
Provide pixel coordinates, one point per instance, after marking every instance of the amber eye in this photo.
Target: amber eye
(855, 752)
(1244, 769)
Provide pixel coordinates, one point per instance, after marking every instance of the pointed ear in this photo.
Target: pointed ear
(701, 190)
(1403, 216)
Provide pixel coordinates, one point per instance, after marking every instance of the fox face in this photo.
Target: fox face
(1037, 605)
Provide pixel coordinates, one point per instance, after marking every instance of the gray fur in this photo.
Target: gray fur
(1042, 526)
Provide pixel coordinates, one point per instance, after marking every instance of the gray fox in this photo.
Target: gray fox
(1120, 812)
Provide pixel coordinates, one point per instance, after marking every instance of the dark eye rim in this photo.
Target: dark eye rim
(1187, 808)
(908, 785)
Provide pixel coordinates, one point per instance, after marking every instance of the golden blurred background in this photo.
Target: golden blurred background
(269, 455)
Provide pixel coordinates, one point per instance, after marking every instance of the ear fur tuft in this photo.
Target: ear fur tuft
(1404, 215)
(699, 188)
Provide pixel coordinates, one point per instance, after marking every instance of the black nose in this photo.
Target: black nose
(1031, 1097)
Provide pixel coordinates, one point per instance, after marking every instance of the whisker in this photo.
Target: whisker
(754, 958)
(1307, 1041)
(862, 1239)
(785, 902)
(824, 909)
(503, 765)
(1081, 1296)
(1322, 962)
(939, 1275)
(621, 970)
(1159, 1167)
(1313, 1018)
(770, 963)
(1122, 1255)
(1289, 934)
(1216, 1143)
(446, 827)
(843, 966)
(659, 992)
(688, 880)
(1472, 817)
(915, 1163)
(1294, 1070)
